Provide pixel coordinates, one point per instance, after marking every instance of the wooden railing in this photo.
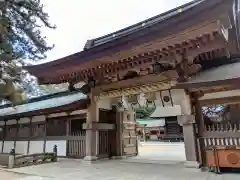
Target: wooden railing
(221, 135)
(223, 127)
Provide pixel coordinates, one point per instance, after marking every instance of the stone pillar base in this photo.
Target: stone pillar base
(118, 157)
(191, 164)
(90, 158)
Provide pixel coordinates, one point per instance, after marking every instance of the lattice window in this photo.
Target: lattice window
(38, 130)
(56, 127)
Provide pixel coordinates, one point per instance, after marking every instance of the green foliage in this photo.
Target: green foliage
(20, 28)
(21, 22)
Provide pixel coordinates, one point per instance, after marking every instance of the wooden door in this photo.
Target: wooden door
(107, 138)
(129, 135)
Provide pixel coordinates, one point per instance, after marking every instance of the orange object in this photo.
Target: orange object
(220, 157)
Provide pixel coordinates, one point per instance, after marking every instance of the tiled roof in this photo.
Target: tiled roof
(224, 72)
(51, 102)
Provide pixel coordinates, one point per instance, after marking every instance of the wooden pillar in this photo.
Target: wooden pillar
(190, 140)
(91, 134)
(68, 130)
(119, 134)
(200, 129)
(68, 127)
(45, 134)
(30, 135)
(17, 132)
(2, 137)
(4, 134)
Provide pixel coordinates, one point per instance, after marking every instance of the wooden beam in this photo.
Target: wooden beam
(224, 100)
(215, 89)
(153, 78)
(197, 86)
(210, 46)
(169, 55)
(219, 134)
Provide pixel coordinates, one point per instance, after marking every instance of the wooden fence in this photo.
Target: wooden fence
(220, 136)
(77, 144)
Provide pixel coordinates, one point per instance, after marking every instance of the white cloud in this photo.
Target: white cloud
(80, 20)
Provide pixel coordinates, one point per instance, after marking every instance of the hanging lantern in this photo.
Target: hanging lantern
(91, 82)
(157, 67)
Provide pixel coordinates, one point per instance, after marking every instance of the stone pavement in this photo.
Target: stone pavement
(11, 176)
(67, 169)
(161, 151)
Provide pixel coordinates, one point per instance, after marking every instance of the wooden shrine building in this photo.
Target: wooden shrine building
(143, 63)
(44, 122)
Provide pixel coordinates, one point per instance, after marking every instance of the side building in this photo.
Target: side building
(44, 122)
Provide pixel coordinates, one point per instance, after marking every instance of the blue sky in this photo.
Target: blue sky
(80, 20)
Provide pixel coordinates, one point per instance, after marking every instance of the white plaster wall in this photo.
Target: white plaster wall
(58, 114)
(36, 147)
(181, 104)
(104, 104)
(82, 111)
(167, 111)
(38, 118)
(10, 122)
(61, 147)
(8, 145)
(181, 98)
(24, 120)
(21, 147)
